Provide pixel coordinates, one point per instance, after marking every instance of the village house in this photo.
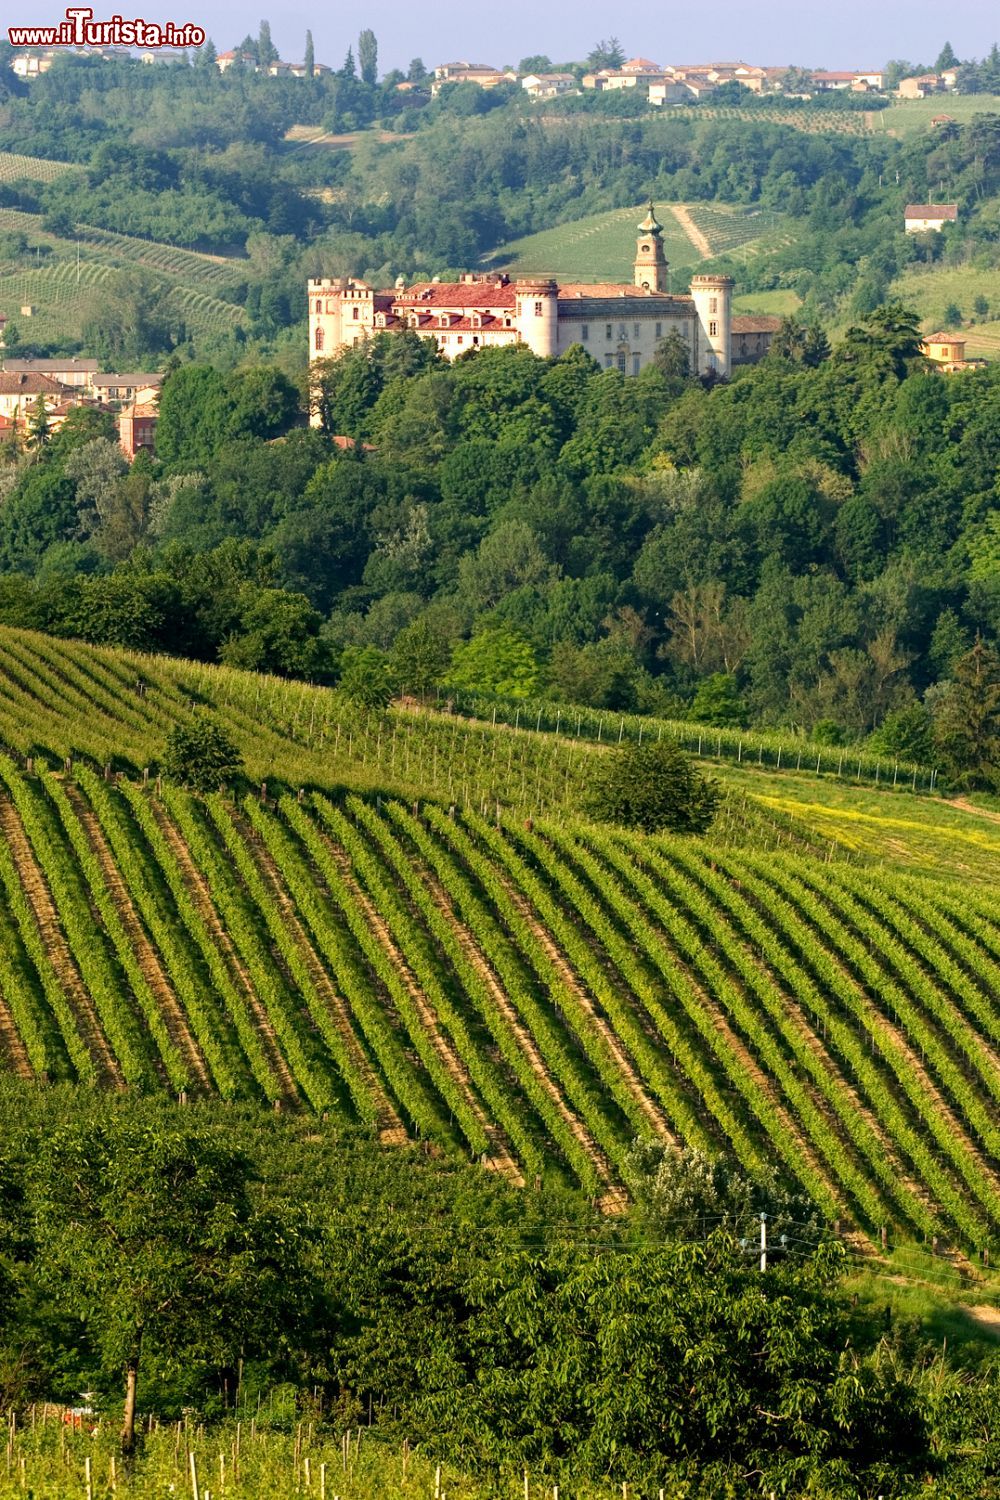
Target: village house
(919, 87)
(135, 387)
(137, 429)
(548, 85)
(66, 370)
(918, 218)
(466, 72)
(860, 81)
(620, 325)
(751, 336)
(946, 352)
(19, 393)
(28, 65)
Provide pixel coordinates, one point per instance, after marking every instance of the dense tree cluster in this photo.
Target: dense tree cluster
(813, 544)
(156, 1255)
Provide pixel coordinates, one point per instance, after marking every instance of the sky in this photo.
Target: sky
(831, 34)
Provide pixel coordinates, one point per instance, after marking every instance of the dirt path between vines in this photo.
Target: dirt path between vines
(57, 948)
(202, 896)
(174, 1019)
(478, 961)
(391, 1130)
(692, 231)
(602, 1027)
(501, 1158)
(910, 1063)
(11, 1045)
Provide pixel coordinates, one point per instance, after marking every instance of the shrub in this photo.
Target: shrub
(653, 787)
(201, 754)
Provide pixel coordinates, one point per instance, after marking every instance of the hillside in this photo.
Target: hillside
(537, 996)
(61, 276)
(601, 247)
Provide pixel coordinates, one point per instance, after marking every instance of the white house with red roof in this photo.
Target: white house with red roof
(918, 218)
(621, 325)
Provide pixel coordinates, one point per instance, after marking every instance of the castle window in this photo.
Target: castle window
(645, 249)
(713, 329)
(355, 313)
(713, 304)
(318, 340)
(607, 330)
(460, 338)
(608, 361)
(538, 309)
(659, 330)
(635, 364)
(621, 363)
(585, 332)
(635, 330)
(319, 304)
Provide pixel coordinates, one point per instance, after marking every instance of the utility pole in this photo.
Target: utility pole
(763, 1242)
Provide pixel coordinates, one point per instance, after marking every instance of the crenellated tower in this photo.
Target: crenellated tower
(713, 299)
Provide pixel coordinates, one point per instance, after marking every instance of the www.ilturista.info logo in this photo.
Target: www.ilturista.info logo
(81, 30)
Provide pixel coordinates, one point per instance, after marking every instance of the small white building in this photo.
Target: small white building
(548, 85)
(918, 218)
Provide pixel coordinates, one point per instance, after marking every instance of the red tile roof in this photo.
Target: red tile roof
(574, 291)
(32, 384)
(931, 211)
(755, 323)
(454, 294)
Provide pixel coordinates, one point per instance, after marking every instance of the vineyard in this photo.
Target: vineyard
(601, 246)
(536, 996)
(194, 286)
(15, 168)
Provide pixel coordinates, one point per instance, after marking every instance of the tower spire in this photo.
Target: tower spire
(650, 261)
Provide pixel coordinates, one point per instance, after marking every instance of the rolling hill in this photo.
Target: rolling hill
(601, 247)
(59, 276)
(535, 993)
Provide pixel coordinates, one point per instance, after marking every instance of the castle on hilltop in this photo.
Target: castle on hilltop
(620, 325)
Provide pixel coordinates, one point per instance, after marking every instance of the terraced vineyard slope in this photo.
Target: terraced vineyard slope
(534, 993)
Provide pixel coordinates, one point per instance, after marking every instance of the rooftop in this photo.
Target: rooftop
(931, 211)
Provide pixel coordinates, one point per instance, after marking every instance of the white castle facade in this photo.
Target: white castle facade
(620, 325)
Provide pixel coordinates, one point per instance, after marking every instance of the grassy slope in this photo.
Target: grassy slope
(913, 116)
(601, 247)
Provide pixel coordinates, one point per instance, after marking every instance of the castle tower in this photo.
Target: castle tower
(713, 297)
(650, 261)
(537, 316)
(341, 313)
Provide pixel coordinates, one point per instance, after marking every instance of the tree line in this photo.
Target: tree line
(166, 1257)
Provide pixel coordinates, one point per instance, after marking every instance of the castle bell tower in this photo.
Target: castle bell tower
(650, 261)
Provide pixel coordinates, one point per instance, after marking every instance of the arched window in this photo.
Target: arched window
(318, 340)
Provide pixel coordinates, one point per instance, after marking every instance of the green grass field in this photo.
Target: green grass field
(601, 247)
(913, 116)
(932, 289)
(780, 304)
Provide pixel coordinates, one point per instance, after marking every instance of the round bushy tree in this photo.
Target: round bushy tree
(201, 754)
(653, 787)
